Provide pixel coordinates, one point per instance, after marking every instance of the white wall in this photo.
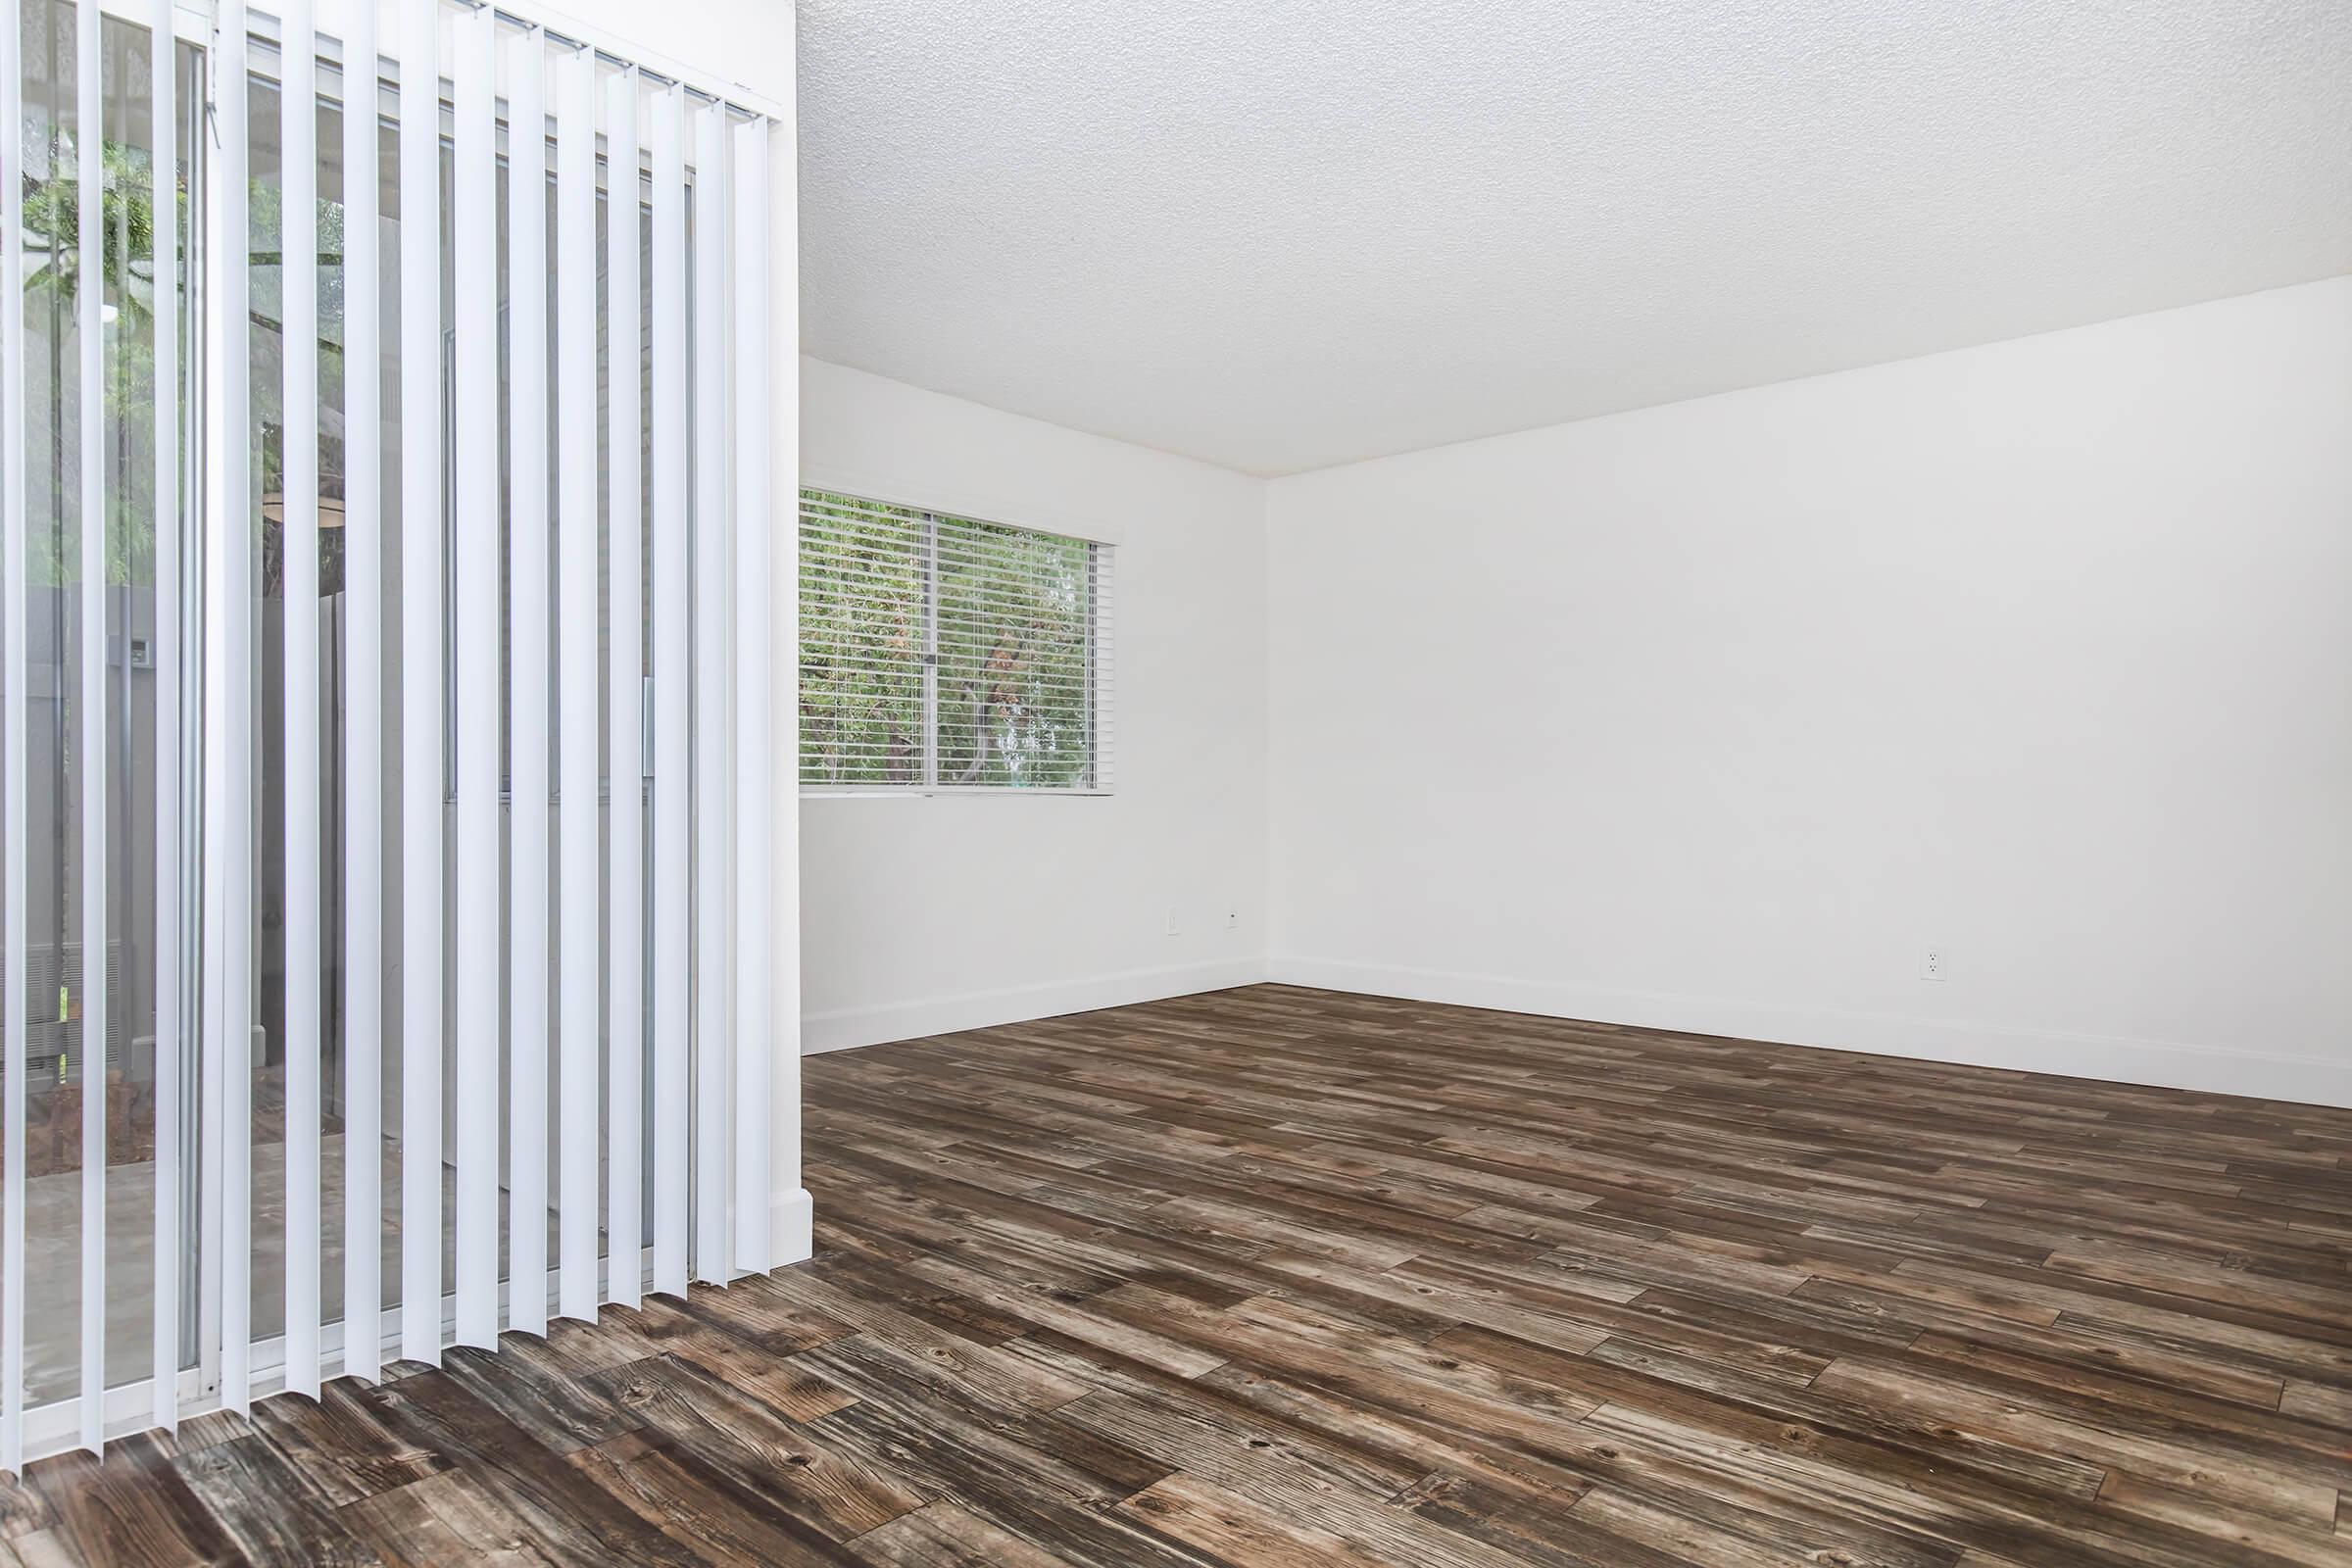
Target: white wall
(923, 914)
(1720, 715)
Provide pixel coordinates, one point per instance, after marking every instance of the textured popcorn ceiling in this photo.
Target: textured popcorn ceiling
(1279, 234)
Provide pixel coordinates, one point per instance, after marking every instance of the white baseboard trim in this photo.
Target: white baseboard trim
(849, 1027)
(2112, 1059)
(790, 1221)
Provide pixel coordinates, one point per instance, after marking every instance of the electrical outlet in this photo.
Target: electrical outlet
(1932, 964)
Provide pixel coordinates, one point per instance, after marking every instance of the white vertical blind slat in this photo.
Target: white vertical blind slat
(363, 567)
(782, 442)
(299, 267)
(230, 534)
(672, 686)
(624, 685)
(93, 1002)
(529, 818)
(421, 660)
(15, 668)
(753, 1021)
(475, 580)
(582, 1128)
(713, 857)
(164, 206)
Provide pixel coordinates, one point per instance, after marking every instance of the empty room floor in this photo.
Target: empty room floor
(1283, 1276)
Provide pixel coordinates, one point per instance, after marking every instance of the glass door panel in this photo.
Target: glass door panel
(64, 1066)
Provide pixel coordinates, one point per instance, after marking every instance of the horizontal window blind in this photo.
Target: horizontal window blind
(945, 652)
(393, 535)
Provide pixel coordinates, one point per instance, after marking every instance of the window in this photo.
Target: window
(943, 652)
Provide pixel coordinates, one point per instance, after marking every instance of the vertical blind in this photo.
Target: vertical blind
(385, 679)
(939, 652)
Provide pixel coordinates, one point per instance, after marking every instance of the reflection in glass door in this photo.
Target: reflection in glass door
(65, 1067)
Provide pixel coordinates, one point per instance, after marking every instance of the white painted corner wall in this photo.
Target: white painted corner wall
(1715, 716)
(1722, 715)
(924, 914)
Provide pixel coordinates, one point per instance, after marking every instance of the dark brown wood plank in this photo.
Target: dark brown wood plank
(23, 1510)
(692, 1501)
(941, 1534)
(774, 1460)
(275, 1514)
(449, 1518)
(339, 1446)
(564, 1510)
(131, 1509)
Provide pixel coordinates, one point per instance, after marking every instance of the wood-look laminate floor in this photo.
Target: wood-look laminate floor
(1286, 1277)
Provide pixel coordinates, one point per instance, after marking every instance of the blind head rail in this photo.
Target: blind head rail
(622, 55)
(657, 69)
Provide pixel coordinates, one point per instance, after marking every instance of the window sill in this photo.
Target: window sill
(917, 792)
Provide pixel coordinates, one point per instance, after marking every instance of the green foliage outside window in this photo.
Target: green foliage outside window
(53, 283)
(1011, 615)
(863, 635)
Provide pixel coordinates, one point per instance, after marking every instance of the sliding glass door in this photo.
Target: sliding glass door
(384, 567)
